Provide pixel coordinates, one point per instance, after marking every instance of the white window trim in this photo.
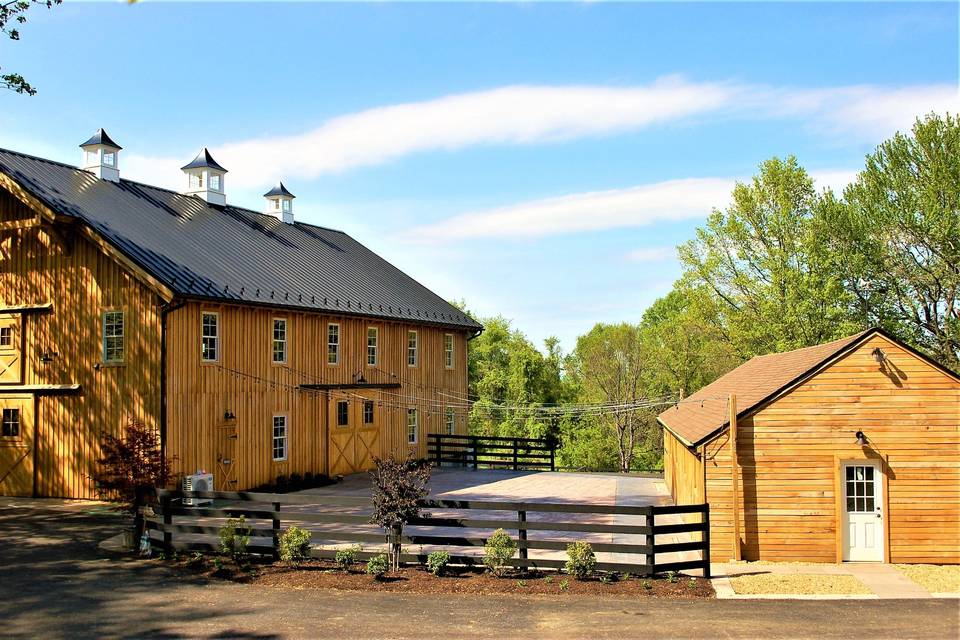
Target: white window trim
(286, 437)
(273, 340)
(363, 414)
(345, 425)
(215, 314)
(376, 346)
(103, 336)
(19, 414)
(339, 342)
(452, 352)
(416, 348)
(416, 425)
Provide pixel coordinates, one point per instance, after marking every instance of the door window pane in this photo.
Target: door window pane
(343, 413)
(10, 423)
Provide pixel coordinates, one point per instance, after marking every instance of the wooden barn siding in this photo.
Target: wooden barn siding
(81, 284)
(789, 452)
(199, 394)
(683, 474)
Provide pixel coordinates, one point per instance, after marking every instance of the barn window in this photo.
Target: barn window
(343, 413)
(411, 348)
(373, 336)
(448, 350)
(113, 336)
(11, 423)
(279, 340)
(279, 438)
(450, 420)
(333, 343)
(367, 412)
(6, 336)
(210, 337)
(412, 426)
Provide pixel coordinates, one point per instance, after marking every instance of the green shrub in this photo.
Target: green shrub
(437, 562)
(646, 584)
(378, 565)
(499, 550)
(234, 538)
(672, 576)
(581, 560)
(347, 557)
(295, 545)
(521, 583)
(564, 584)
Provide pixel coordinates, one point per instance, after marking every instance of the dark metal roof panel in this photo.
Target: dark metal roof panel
(101, 137)
(279, 190)
(232, 254)
(203, 160)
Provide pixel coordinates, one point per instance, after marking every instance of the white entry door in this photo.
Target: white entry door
(862, 513)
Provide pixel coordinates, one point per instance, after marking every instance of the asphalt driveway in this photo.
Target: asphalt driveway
(56, 583)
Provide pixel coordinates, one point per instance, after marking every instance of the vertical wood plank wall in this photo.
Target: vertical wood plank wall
(247, 384)
(81, 284)
(790, 450)
(682, 471)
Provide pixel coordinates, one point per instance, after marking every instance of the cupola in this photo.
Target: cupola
(100, 155)
(280, 203)
(205, 178)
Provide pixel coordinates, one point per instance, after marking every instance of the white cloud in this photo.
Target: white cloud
(507, 115)
(637, 206)
(593, 211)
(651, 254)
(862, 112)
(524, 114)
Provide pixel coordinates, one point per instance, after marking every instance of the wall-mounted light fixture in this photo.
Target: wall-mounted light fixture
(878, 355)
(228, 415)
(861, 439)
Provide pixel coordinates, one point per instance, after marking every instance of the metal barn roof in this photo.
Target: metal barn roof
(232, 254)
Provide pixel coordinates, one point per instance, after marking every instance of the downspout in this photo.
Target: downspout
(165, 310)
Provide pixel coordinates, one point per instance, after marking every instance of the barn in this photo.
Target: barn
(844, 451)
(257, 345)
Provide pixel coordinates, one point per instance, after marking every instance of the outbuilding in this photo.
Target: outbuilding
(845, 451)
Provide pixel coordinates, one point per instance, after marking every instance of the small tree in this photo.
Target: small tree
(130, 462)
(397, 489)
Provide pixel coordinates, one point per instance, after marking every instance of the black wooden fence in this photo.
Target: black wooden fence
(624, 537)
(476, 452)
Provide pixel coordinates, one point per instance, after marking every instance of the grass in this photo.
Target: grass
(932, 577)
(798, 584)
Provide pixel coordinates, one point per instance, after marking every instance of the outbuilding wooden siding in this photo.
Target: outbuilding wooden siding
(247, 384)
(791, 449)
(62, 443)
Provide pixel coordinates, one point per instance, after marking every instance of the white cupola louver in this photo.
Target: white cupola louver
(280, 203)
(100, 156)
(205, 178)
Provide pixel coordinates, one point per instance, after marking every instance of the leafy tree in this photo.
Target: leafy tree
(609, 365)
(398, 488)
(14, 12)
(766, 263)
(685, 350)
(898, 232)
(129, 463)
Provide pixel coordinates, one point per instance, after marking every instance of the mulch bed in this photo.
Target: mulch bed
(326, 575)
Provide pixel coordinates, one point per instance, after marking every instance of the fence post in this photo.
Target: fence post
(522, 518)
(516, 444)
(553, 452)
(166, 505)
(706, 541)
(651, 558)
(276, 530)
(438, 449)
(475, 441)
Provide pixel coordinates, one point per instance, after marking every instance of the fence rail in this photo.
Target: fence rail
(624, 537)
(536, 454)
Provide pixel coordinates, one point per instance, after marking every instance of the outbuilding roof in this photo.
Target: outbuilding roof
(231, 254)
(705, 413)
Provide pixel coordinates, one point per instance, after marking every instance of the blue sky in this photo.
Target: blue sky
(538, 161)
